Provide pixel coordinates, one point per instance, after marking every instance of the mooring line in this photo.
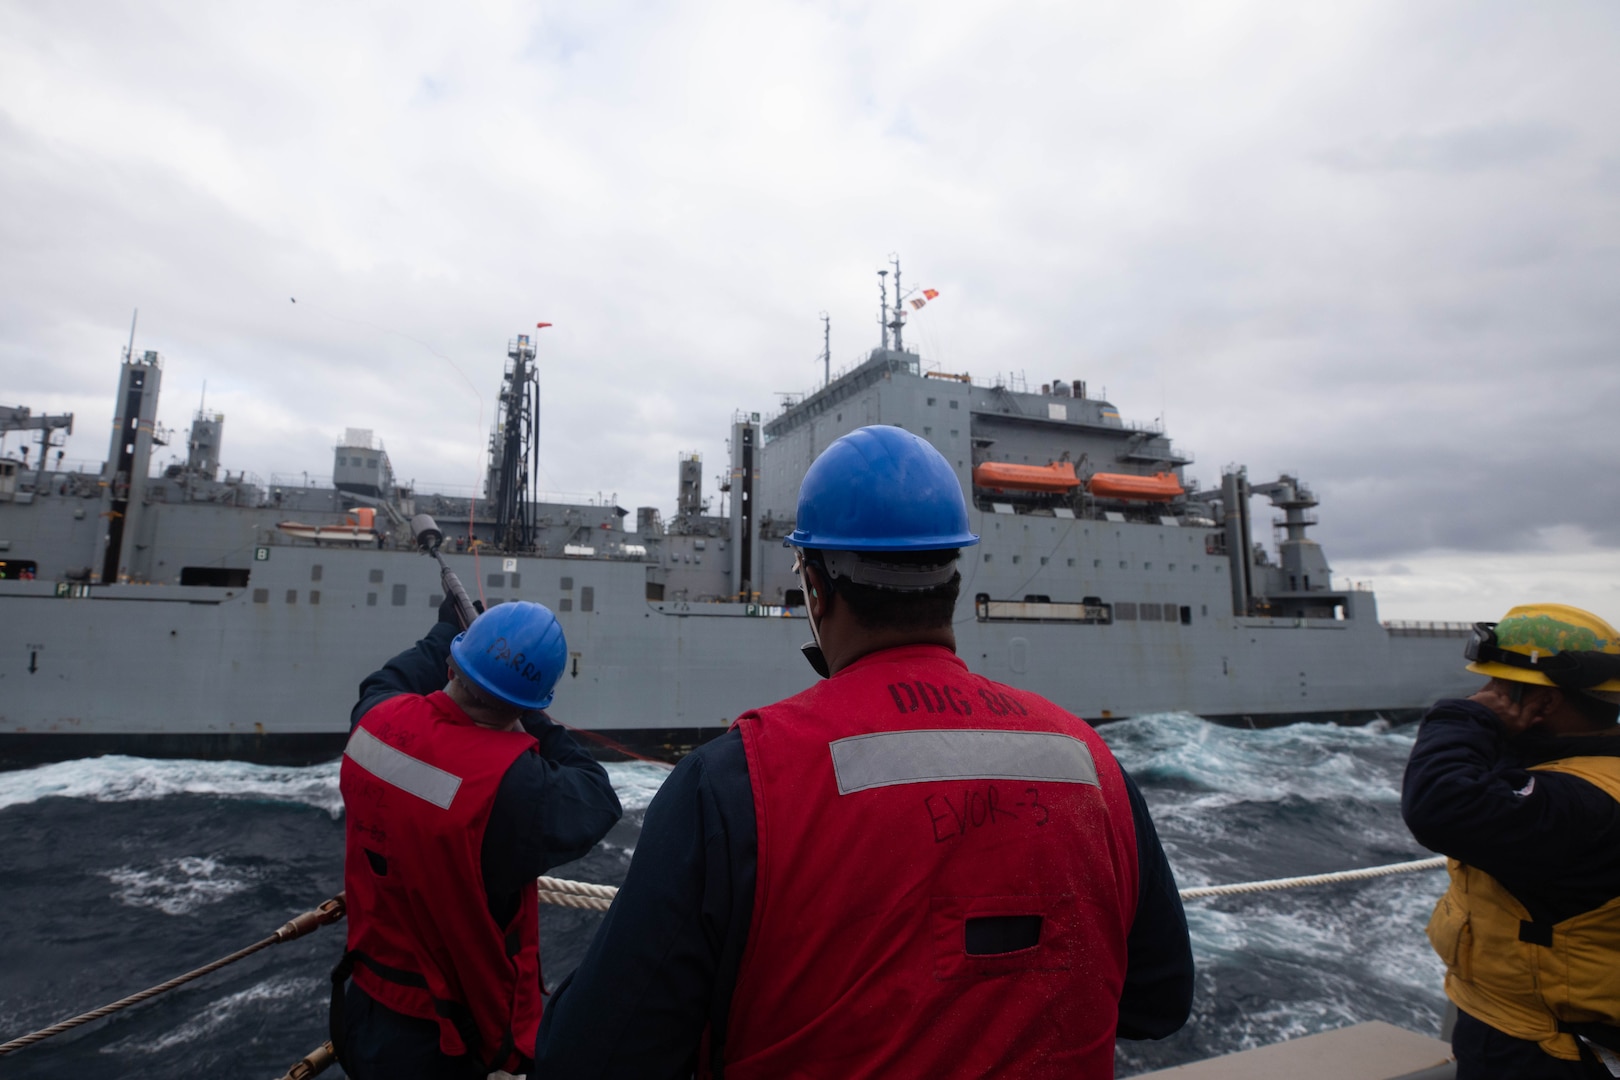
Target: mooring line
(329, 912)
(579, 894)
(1434, 863)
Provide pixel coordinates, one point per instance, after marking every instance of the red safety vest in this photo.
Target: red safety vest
(947, 876)
(419, 781)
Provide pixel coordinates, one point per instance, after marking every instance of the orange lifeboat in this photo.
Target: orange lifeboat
(360, 528)
(1160, 487)
(1005, 476)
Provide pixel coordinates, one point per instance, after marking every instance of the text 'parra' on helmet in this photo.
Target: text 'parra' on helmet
(514, 652)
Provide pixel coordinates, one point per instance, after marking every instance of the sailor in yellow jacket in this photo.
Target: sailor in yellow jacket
(1519, 785)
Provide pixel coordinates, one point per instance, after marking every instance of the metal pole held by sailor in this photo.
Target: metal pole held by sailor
(428, 538)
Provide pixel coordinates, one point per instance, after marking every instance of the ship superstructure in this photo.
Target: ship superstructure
(190, 610)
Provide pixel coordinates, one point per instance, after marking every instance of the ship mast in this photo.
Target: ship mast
(883, 305)
(899, 313)
(826, 349)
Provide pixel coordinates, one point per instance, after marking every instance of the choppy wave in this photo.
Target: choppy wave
(118, 778)
(179, 886)
(218, 1014)
(1319, 762)
(1230, 805)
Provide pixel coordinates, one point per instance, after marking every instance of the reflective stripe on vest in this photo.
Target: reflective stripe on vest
(398, 768)
(916, 757)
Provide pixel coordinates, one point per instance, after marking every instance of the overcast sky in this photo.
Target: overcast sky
(1375, 244)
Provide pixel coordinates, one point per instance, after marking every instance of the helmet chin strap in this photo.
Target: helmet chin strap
(812, 650)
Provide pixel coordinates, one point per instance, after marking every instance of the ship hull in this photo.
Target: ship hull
(271, 670)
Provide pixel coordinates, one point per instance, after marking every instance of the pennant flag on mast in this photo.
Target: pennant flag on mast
(541, 325)
(927, 295)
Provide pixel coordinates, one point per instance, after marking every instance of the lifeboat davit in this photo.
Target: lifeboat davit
(1005, 476)
(1160, 487)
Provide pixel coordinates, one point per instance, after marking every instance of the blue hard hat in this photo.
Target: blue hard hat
(514, 652)
(881, 488)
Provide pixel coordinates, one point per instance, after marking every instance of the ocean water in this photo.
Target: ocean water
(117, 873)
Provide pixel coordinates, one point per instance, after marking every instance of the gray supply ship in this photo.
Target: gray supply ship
(193, 612)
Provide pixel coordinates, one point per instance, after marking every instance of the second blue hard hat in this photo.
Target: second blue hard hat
(881, 488)
(514, 652)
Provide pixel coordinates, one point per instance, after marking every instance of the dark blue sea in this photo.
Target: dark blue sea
(117, 873)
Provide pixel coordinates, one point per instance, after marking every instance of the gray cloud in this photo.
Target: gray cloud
(1375, 244)
(1459, 150)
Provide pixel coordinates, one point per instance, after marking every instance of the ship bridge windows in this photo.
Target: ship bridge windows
(399, 595)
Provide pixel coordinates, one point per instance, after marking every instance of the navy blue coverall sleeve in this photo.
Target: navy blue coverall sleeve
(664, 962)
(665, 959)
(1157, 998)
(1551, 839)
(551, 807)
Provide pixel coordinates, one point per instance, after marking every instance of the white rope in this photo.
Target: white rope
(576, 894)
(1314, 879)
(588, 897)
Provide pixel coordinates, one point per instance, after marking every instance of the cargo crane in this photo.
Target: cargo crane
(21, 418)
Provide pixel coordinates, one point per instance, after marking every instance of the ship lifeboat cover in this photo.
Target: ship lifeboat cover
(1006, 476)
(1160, 487)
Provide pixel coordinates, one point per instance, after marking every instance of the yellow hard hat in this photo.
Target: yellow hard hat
(1549, 645)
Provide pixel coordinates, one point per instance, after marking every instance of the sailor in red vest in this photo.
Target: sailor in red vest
(456, 800)
(905, 871)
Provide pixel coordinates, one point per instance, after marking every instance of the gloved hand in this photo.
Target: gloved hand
(447, 610)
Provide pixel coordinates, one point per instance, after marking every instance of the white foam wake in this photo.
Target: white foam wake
(178, 886)
(117, 778)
